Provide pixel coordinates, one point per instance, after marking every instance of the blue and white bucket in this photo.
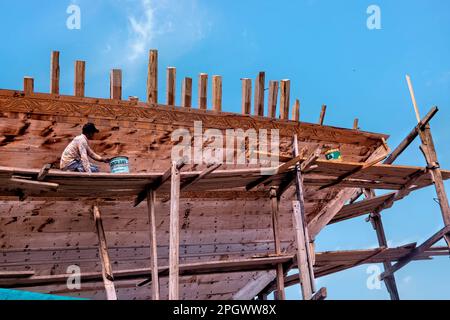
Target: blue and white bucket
(119, 165)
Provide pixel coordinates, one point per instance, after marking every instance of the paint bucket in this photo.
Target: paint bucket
(119, 165)
(333, 155)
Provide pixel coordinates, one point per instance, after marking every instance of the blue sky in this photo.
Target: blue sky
(323, 46)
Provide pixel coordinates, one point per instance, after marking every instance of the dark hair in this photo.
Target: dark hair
(89, 128)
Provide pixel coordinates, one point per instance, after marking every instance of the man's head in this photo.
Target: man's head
(89, 130)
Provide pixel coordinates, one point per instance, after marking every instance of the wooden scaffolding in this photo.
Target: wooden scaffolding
(174, 230)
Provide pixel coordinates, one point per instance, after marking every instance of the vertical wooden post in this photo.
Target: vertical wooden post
(273, 98)
(285, 90)
(171, 84)
(277, 234)
(186, 95)
(115, 88)
(430, 154)
(246, 95)
(28, 85)
(174, 233)
(304, 258)
(259, 94)
(151, 198)
(375, 219)
(356, 124)
(322, 115)
(152, 77)
(107, 272)
(217, 93)
(296, 111)
(80, 74)
(54, 72)
(203, 91)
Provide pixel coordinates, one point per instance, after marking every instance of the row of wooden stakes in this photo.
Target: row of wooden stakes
(276, 88)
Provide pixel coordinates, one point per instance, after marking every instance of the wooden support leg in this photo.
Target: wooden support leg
(377, 224)
(103, 250)
(151, 197)
(302, 257)
(174, 233)
(430, 154)
(305, 262)
(280, 294)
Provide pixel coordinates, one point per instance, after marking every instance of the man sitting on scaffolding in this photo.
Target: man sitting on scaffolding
(76, 155)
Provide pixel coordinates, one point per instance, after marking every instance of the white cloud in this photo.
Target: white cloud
(174, 24)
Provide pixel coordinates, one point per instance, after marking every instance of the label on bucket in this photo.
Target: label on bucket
(119, 165)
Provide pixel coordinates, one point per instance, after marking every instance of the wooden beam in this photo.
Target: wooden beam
(353, 172)
(320, 295)
(322, 115)
(16, 274)
(203, 91)
(416, 252)
(246, 96)
(158, 182)
(211, 168)
(188, 269)
(107, 272)
(296, 111)
(254, 286)
(54, 72)
(186, 95)
(44, 171)
(413, 98)
(115, 88)
(217, 93)
(356, 124)
(80, 77)
(273, 99)
(28, 85)
(281, 295)
(171, 85)
(411, 136)
(152, 77)
(259, 94)
(32, 184)
(285, 94)
(174, 233)
(151, 199)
